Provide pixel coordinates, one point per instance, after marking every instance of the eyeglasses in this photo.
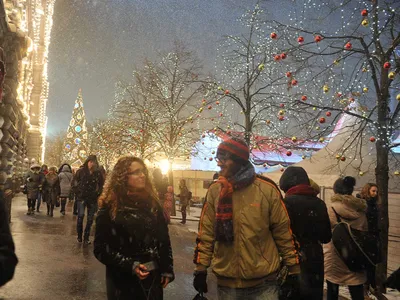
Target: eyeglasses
(138, 172)
(222, 158)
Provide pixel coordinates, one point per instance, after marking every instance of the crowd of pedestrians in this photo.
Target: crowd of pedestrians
(259, 243)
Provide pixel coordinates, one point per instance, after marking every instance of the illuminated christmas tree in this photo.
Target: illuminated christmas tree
(75, 145)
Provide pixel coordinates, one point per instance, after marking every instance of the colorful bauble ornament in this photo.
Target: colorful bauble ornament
(294, 82)
(317, 38)
(364, 12)
(300, 39)
(339, 94)
(338, 156)
(361, 173)
(277, 57)
(226, 92)
(397, 173)
(281, 118)
(321, 140)
(398, 97)
(387, 65)
(268, 122)
(221, 114)
(364, 69)
(325, 88)
(288, 74)
(365, 90)
(304, 98)
(303, 157)
(281, 112)
(261, 67)
(314, 108)
(217, 102)
(336, 62)
(210, 159)
(322, 120)
(209, 107)
(343, 158)
(348, 46)
(200, 109)
(372, 139)
(328, 113)
(289, 153)
(365, 22)
(351, 99)
(283, 56)
(294, 139)
(273, 35)
(282, 105)
(391, 75)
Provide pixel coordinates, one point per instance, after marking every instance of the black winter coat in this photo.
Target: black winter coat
(8, 259)
(138, 234)
(310, 225)
(87, 187)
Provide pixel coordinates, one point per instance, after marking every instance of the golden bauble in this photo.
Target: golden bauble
(365, 90)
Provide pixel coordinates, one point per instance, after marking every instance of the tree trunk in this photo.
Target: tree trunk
(247, 126)
(382, 180)
(171, 182)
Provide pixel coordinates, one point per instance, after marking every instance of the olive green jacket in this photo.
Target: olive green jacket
(262, 236)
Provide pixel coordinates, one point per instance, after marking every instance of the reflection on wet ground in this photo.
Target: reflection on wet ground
(54, 266)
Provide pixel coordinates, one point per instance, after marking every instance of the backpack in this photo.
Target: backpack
(355, 247)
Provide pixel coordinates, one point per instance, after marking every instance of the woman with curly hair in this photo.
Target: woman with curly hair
(132, 237)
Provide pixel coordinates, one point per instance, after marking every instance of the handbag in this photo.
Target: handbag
(25, 189)
(356, 248)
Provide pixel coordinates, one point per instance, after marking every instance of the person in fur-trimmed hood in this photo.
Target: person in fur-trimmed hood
(244, 231)
(352, 210)
(310, 224)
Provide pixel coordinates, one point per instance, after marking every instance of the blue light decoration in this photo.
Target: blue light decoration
(68, 146)
(76, 105)
(78, 128)
(77, 141)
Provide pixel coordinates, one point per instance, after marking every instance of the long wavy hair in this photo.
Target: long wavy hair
(116, 186)
(365, 190)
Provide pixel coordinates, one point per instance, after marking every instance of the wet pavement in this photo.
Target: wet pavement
(52, 265)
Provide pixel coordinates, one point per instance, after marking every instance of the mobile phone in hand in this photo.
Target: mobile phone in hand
(151, 265)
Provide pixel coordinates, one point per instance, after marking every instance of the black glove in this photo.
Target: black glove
(290, 289)
(200, 281)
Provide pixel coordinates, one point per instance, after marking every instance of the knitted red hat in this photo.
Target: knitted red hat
(236, 147)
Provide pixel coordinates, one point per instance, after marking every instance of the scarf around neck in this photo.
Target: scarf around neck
(301, 189)
(224, 214)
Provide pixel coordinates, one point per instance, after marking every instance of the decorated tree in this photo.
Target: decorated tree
(75, 145)
(54, 155)
(345, 66)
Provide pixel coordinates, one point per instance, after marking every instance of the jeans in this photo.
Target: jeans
(31, 204)
(91, 210)
(356, 291)
(39, 201)
(265, 291)
(63, 203)
(75, 207)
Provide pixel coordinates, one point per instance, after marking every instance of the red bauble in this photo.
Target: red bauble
(221, 114)
(209, 107)
(294, 82)
(317, 38)
(289, 153)
(283, 55)
(277, 57)
(202, 143)
(288, 74)
(304, 98)
(217, 102)
(282, 105)
(264, 165)
(210, 159)
(387, 65)
(273, 35)
(203, 136)
(281, 118)
(322, 120)
(364, 12)
(348, 46)
(372, 139)
(343, 158)
(339, 95)
(328, 113)
(300, 39)
(282, 169)
(351, 99)
(226, 92)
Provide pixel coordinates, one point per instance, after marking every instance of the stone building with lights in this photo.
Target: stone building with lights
(25, 27)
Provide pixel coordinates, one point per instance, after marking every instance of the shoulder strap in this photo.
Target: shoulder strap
(338, 218)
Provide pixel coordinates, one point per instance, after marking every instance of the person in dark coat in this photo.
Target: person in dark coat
(132, 237)
(44, 170)
(33, 181)
(65, 176)
(184, 199)
(88, 184)
(310, 225)
(51, 190)
(8, 259)
(160, 184)
(370, 194)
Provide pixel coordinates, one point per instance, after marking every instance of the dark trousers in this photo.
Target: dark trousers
(183, 211)
(91, 210)
(356, 291)
(39, 200)
(75, 207)
(312, 271)
(147, 289)
(50, 209)
(63, 203)
(31, 203)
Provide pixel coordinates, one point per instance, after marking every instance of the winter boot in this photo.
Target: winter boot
(29, 211)
(51, 210)
(48, 210)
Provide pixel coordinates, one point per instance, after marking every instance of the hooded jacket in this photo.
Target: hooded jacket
(51, 188)
(262, 236)
(88, 186)
(34, 181)
(352, 210)
(65, 176)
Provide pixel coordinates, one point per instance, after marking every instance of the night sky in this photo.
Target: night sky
(96, 42)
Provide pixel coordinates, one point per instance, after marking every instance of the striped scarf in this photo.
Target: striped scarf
(224, 215)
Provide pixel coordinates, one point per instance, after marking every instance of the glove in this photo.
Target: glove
(290, 289)
(200, 281)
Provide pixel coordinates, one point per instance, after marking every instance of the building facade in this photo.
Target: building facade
(25, 28)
